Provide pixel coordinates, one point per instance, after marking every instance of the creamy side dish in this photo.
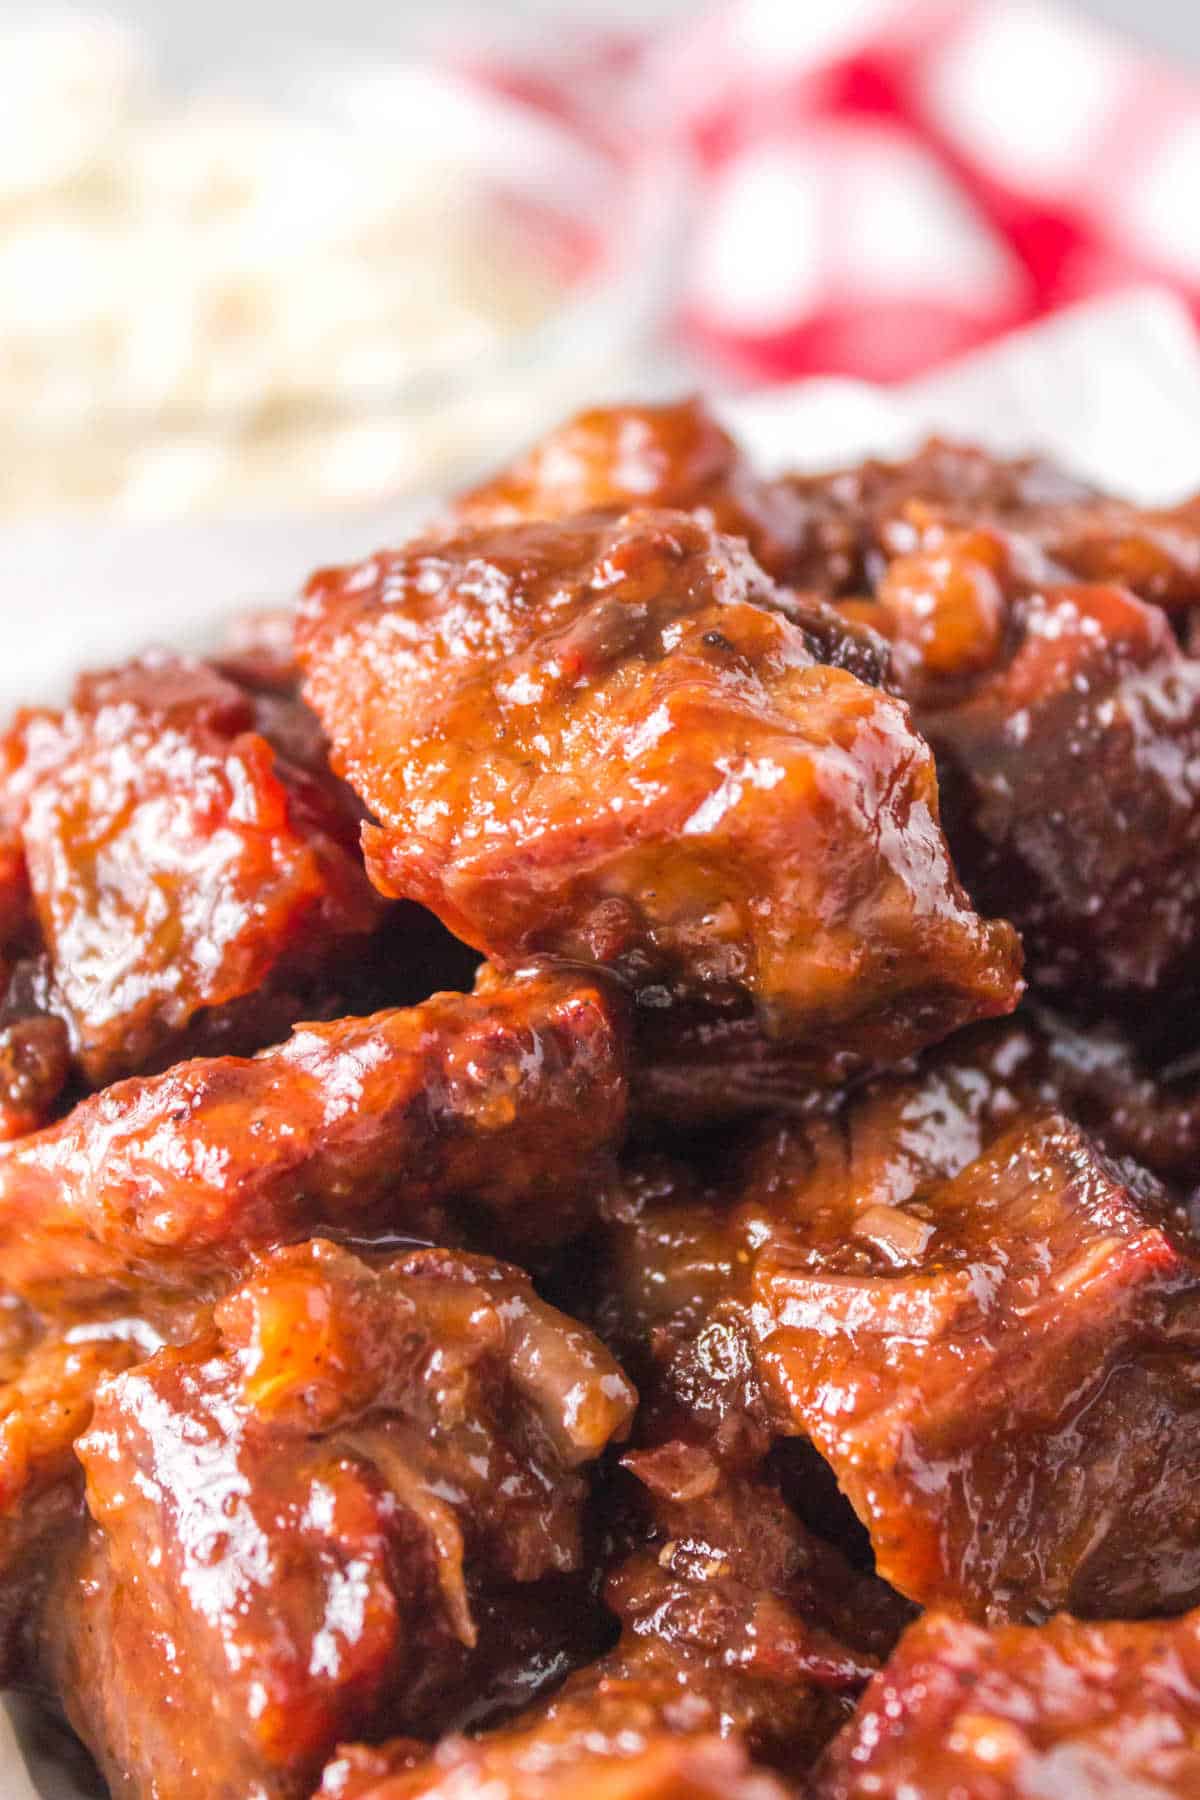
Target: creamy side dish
(208, 303)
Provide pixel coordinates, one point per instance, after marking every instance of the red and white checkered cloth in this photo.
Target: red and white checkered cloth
(883, 184)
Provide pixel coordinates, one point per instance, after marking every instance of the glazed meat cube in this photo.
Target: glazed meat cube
(35, 1066)
(617, 457)
(179, 867)
(670, 1282)
(726, 1528)
(304, 1503)
(1066, 723)
(1134, 1106)
(724, 1637)
(1154, 551)
(874, 500)
(1065, 525)
(989, 1330)
(1074, 775)
(1002, 1372)
(47, 1384)
(510, 1100)
(1136, 1100)
(1088, 1712)
(35, 1053)
(617, 742)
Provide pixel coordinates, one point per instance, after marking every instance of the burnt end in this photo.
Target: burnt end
(48, 1381)
(511, 1099)
(986, 1327)
(865, 515)
(1013, 1714)
(724, 1636)
(613, 458)
(178, 863)
(1011, 1405)
(1066, 723)
(1137, 1103)
(35, 1066)
(306, 1501)
(1073, 795)
(616, 741)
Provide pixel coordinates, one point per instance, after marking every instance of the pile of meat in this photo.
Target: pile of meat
(602, 1129)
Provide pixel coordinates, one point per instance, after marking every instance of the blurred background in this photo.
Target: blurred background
(271, 258)
(196, 39)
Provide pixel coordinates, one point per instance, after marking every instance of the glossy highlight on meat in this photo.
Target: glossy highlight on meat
(676, 455)
(177, 864)
(303, 1502)
(616, 741)
(987, 1328)
(509, 1099)
(1089, 1711)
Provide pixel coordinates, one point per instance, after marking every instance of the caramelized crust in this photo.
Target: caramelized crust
(1086, 1711)
(303, 1503)
(510, 1100)
(677, 455)
(1064, 526)
(725, 1638)
(181, 870)
(987, 1328)
(618, 742)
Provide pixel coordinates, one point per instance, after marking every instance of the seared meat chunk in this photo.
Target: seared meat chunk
(35, 1066)
(303, 1504)
(182, 872)
(725, 1637)
(1088, 1712)
(677, 455)
(1137, 1100)
(618, 742)
(1002, 1371)
(1098, 1075)
(48, 1380)
(1066, 723)
(35, 1052)
(1065, 526)
(988, 1329)
(510, 1100)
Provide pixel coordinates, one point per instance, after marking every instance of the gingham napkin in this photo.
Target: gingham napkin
(882, 185)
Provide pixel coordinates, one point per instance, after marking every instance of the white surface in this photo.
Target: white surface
(1113, 389)
(200, 40)
(14, 1782)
